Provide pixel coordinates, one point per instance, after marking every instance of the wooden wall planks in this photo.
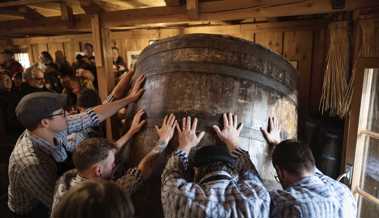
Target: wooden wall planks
(272, 40)
(296, 41)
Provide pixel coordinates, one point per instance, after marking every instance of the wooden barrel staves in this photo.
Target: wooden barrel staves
(205, 75)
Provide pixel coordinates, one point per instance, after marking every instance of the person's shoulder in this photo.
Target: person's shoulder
(253, 185)
(282, 197)
(16, 63)
(26, 156)
(334, 184)
(66, 178)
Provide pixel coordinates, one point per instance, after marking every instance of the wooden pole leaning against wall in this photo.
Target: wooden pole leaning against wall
(105, 77)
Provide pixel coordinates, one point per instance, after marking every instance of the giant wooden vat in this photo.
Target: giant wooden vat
(205, 75)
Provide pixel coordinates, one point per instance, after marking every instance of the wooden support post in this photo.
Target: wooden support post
(193, 9)
(67, 14)
(103, 55)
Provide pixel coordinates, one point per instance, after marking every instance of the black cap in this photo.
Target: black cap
(206, 155)
(38, 105)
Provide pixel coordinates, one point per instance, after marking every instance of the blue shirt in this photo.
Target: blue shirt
(316, 196)
(241, 195)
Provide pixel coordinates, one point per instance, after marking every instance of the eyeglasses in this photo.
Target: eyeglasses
(58, 114)
(39, 79)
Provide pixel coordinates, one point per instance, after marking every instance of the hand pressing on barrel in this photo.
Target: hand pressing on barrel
(231, 133)
(187, 134)
(120, 89)
(135, 127)
(136, 90)
(272, 132)
(166, 131)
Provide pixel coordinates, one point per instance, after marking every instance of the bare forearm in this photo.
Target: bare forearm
(149, 161)
(105, 111)
(123, 140)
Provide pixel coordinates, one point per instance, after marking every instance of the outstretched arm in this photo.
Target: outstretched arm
(135, 127)
(180, 197)
(230, 136)
(134, 177)
(105, 111)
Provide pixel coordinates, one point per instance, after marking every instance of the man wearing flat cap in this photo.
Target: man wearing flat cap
(35, 161)
(225, 182)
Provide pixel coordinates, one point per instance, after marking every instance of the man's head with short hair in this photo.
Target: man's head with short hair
(95, 199)
(95, 157)
(292, 160)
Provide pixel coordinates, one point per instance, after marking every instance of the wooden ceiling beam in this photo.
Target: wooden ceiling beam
(30, 13)
(227, 10)
(128, 4)
(174, 3)
(51, 25)
(24, 2)
(207, 12)
(23, 11)
(10, 11)
(91, 7)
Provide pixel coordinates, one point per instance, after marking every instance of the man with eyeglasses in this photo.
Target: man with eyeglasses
(307, 192)
(34, 81)
(34, 164)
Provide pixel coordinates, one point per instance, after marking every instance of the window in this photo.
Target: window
(23, 58)
(365, 184)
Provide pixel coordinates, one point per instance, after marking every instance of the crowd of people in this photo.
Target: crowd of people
(77, 80)
(198, 181)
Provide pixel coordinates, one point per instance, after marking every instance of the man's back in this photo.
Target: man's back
(217, 194)
(316, 196)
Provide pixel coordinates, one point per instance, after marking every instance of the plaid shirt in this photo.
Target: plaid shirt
(240, 196)
(130, 182)
(316, 196)
(32, 165)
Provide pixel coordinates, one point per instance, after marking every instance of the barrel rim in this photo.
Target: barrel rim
(284, 63)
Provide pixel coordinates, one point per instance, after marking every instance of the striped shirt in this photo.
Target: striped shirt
(32, 165)
(316, 196)
(130, 182)
(239, 196)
